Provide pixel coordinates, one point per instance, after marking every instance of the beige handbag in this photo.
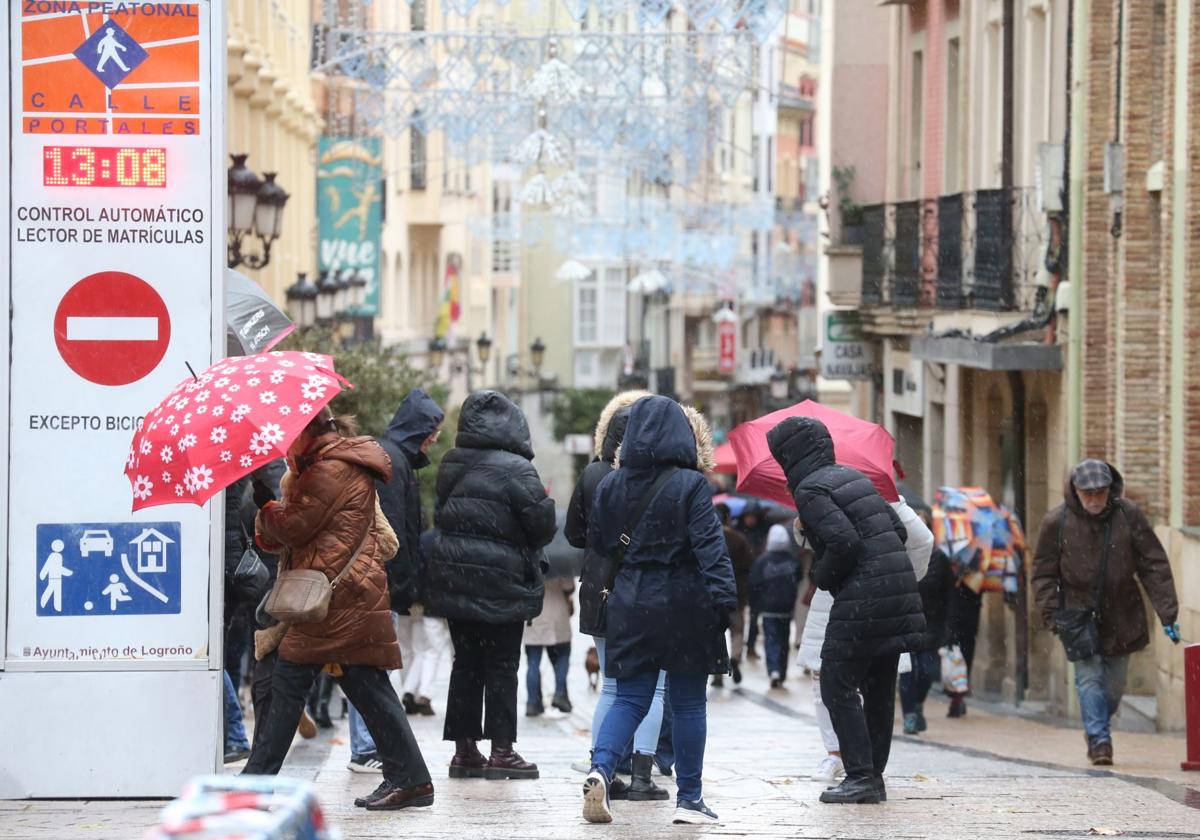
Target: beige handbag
(301, 596)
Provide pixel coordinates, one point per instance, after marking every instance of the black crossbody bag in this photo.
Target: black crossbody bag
(627, 537)
(1079, 627)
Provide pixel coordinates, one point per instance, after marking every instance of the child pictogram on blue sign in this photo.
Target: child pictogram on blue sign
(108, 569)
(111, 53)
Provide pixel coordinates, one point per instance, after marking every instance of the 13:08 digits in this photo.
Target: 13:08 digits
(103, 166)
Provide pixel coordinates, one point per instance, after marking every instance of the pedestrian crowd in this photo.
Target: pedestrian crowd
(672, 590)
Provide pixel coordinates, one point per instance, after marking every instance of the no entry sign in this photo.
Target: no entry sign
(112, 328)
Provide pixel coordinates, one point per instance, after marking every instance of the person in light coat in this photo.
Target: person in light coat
(550, 633)
(919, 547)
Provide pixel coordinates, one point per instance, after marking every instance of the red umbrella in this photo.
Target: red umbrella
(215, 428)
(726, 459)
(867, 447)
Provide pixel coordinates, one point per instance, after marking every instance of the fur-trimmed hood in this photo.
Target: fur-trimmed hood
(701, 431)
(605, 424)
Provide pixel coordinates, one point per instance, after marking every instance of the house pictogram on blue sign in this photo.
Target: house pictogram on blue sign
(111, 53)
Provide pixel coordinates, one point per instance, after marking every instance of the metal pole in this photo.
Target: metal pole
(1006, 156)
(1016, 382)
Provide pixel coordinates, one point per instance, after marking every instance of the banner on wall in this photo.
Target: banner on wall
(349, 205)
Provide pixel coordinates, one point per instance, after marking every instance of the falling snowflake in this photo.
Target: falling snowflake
(166, 454)
(218, 410)
(271, 433)
(218, 434)
(146, 447)
(226, 456)
(276, 377)
(222, 382)
(285, 410)
(198, 478)
(186, 442)
(258, 445)
(203, 396)
(305, 408)
(312, 391)
(142, 486)
(178, 489)
(253, 381)
(267, 397)
(246, 461)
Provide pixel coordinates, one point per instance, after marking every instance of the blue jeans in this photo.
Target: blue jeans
(776, 632)
(361, 742)
(1100, 682)
(560, 661)
(689, 701)
(645, 739)
(915, 685)
(235, 728)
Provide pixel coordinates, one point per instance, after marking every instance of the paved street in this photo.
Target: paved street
(985, 777)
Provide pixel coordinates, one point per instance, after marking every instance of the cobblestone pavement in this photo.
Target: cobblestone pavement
(979, 777)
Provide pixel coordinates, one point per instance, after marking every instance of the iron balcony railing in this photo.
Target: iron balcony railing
(951, 253)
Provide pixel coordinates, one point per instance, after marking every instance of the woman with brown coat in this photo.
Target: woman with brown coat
(327, 522)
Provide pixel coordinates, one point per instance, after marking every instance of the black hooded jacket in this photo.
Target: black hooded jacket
(669, 606)
(493, 518)
(858, 545)
(594, 575)
(400, 498)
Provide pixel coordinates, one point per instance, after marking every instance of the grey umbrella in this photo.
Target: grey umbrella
(254, 323)
(565, 560)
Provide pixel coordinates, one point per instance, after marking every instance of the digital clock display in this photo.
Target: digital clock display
(103, 166)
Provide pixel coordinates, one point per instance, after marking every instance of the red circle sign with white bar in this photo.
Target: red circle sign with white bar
(112, 328)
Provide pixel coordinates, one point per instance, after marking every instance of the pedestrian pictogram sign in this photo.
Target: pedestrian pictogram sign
(108, 569)
(112, 328)
(111, 53)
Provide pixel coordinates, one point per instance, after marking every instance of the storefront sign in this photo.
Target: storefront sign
(846, 353)
(349, 196)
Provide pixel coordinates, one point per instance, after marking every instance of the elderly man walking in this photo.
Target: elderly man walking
(1089, 551)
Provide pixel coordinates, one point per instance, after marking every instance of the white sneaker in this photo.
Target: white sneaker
(595, 799)
(365, 764)
(831, 768)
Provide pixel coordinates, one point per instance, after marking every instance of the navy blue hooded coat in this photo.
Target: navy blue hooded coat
(675, 590)
(858, 546)
(400, 498)
(493, 519)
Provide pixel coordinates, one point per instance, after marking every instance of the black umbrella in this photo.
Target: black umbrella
(254, 324)
(565, 560)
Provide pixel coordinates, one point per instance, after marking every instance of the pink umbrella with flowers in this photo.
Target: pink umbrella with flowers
(233, 418)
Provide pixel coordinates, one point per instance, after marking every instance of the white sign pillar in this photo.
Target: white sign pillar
(110, 621)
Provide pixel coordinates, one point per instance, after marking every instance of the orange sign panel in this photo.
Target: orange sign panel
(105, 67)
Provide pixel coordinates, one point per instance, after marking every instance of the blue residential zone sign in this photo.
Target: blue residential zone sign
(111, 53)
(108, 568)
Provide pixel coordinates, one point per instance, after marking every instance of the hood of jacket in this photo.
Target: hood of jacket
(801, 445)
(610, 427)
(658, 433)
(778, 539)
(701, 433)
(490, 420)
(1115, 491)
(415, 420)
(361, 451)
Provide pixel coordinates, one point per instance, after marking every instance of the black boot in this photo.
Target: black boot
(641, 786)
(854, 790)
(324, 692)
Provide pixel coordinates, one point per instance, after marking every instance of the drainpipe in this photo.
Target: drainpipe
(1179, 221)
(1016, 383)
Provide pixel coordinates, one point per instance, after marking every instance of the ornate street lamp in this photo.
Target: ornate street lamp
(537, 354)
(483, 348)
(302, 301)
(327, 289)
(341, 298)
(437, 352)
(779, 385)
(358, 290)
(254, 206)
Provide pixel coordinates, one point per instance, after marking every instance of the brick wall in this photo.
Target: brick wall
(1192, 302)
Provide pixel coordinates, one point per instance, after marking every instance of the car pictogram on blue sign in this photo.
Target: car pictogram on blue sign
(111, 53)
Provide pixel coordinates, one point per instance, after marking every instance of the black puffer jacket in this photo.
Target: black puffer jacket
(858, 543)
(493, 518)
(610, 429)
(936, 588)
(400, 498)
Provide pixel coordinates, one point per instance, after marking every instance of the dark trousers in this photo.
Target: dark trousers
(962, 621)
(776, 631)
(915, 685)
(371, 693)
(483, 682)
(260, 693)
(864, 728)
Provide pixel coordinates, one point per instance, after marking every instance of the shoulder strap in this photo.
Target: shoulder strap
(632, 523)
(361, 544)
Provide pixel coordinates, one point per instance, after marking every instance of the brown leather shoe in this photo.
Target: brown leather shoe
(395, 798)
(508, 764)
(307, 727)
(468, 762)
(1101, 754)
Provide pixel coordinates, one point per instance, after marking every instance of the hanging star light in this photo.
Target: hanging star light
(540, 147)
(554, 82)
(537, 191)
(571, 192)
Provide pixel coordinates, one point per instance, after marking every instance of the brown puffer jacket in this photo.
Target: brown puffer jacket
(1134, 552)
(326, 512)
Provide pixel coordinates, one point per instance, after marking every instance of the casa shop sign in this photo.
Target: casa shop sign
(846, 352)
